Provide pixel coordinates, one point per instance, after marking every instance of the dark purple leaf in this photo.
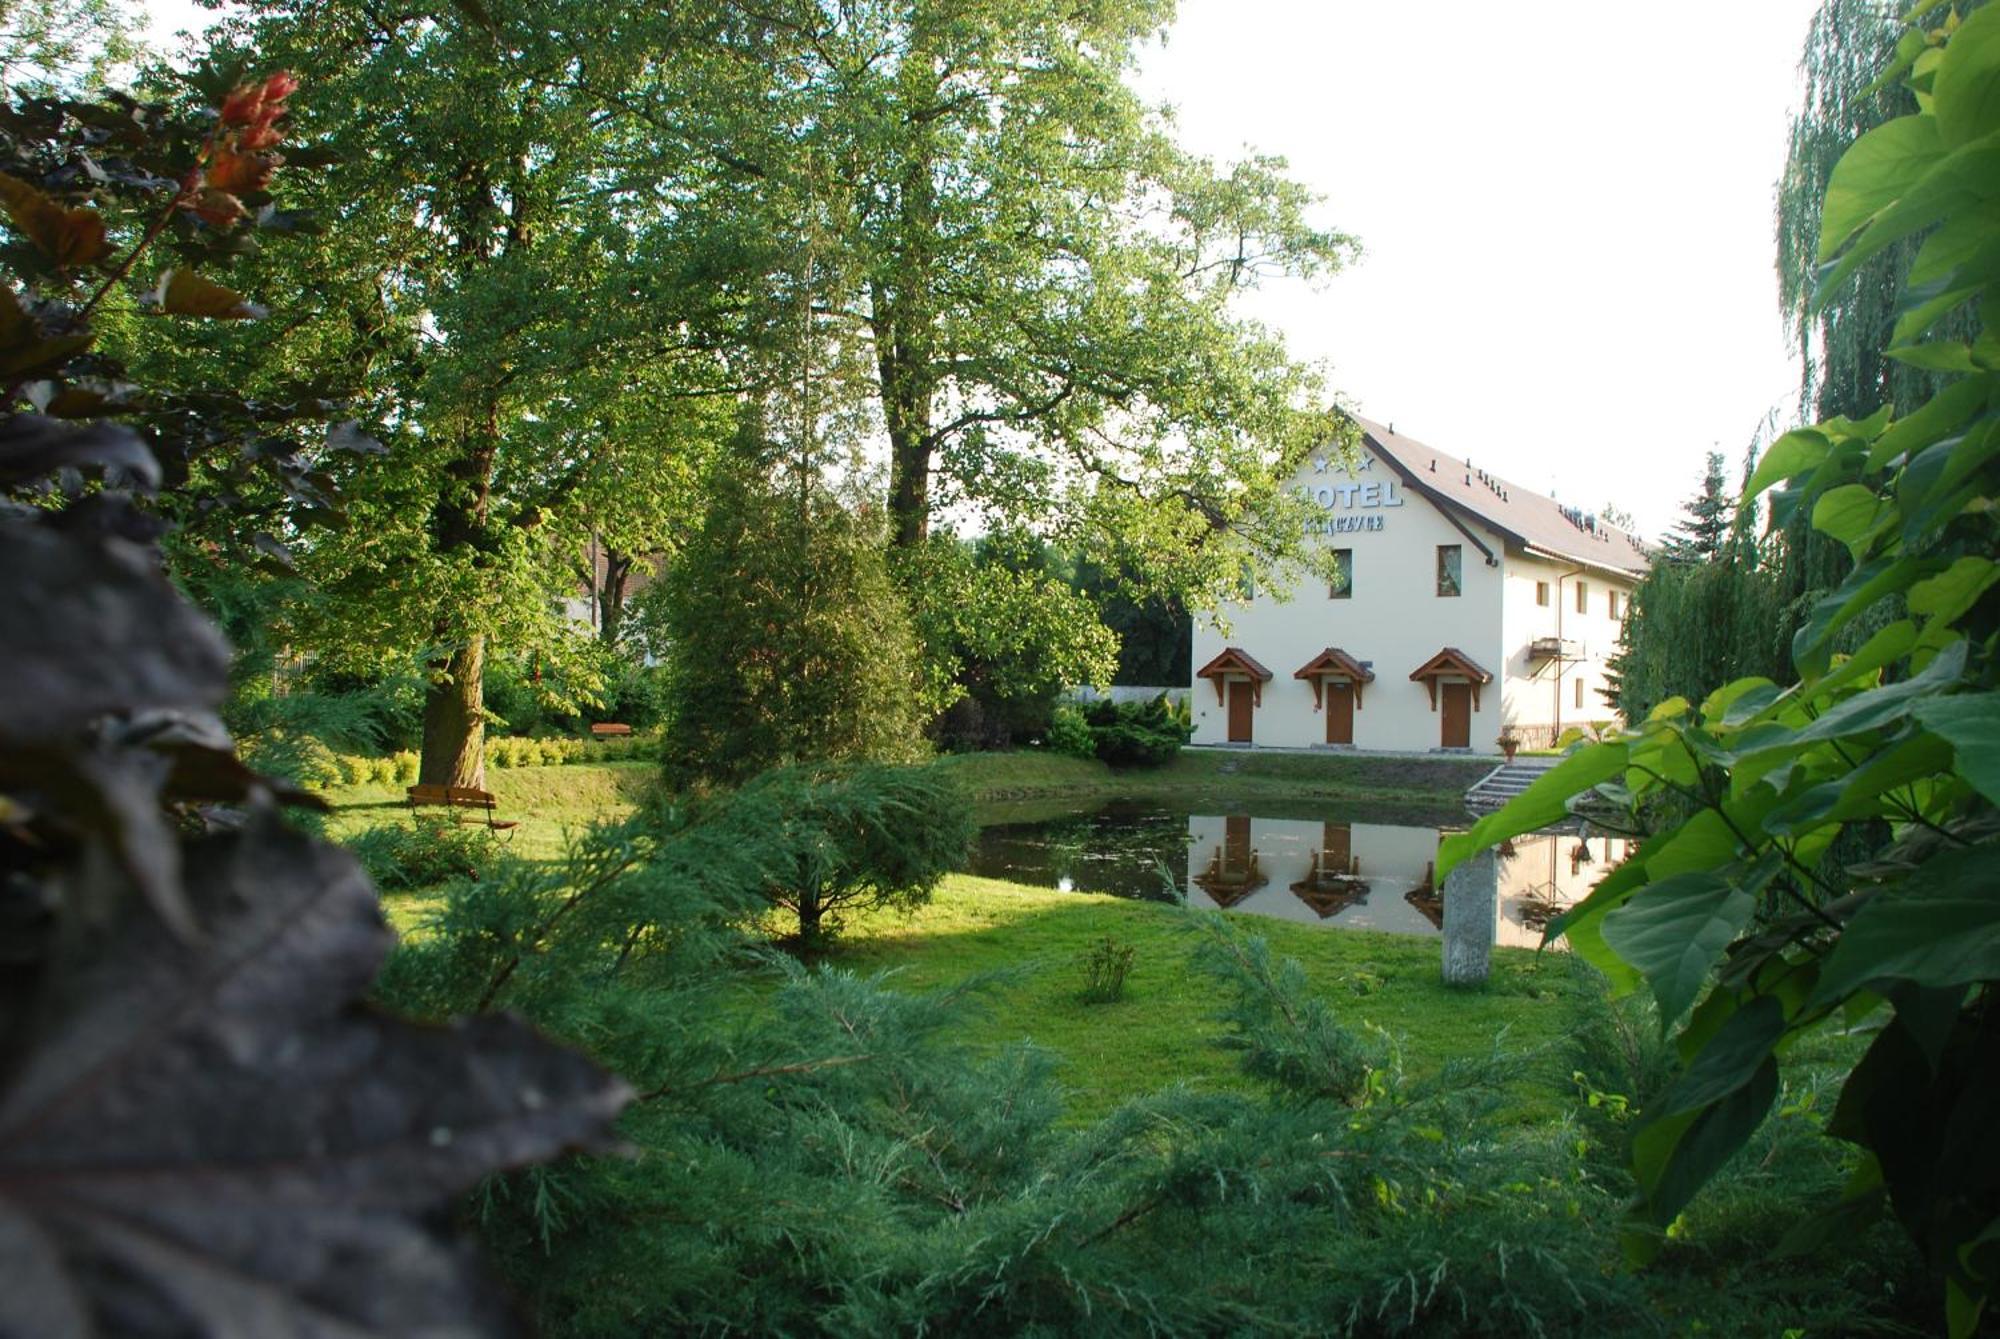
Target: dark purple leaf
(349, 437)
(34, 445)
(91, 627)
(212, 1137)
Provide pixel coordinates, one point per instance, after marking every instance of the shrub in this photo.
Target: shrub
(846, 839)
(1070, 733)
(1139, 734)
(430, 850)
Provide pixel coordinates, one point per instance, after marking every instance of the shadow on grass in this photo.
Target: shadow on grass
(1165, 1028)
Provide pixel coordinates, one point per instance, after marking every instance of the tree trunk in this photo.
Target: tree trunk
(611, 595)
(455, 720)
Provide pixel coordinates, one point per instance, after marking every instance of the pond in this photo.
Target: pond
(1323, 868)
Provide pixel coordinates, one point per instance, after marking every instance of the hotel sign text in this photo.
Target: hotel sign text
(1365, 499)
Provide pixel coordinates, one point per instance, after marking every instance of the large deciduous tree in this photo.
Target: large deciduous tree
(515, 298)
(1039, 277)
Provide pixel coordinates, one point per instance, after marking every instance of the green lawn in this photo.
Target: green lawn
(548, 802)
(1029, 941)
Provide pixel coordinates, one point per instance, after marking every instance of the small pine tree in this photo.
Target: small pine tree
(1705, 528)
(787, 640)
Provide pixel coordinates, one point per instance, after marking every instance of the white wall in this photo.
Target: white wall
(1395, 618)
(1531, 688)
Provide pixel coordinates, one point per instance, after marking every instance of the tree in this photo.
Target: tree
(1703, 531)
(1835, 861)
(512, 308)
(970, 197)
(787, 640)
(54, 46)
(1003, 636)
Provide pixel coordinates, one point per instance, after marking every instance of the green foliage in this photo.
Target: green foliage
(1070, 733)
(1003, 637)
(850, 839)
(1835, 864)
(1138, 734)
(1705, 529)
(1106, 964)
(429, 849)
(789, 643)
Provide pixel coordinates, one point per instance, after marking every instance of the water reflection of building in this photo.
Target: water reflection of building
(1381, 875)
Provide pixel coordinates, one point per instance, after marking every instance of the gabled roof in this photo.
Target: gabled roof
(1451, 660)
(1333, 660)
(1529, 520)
(1233, 660)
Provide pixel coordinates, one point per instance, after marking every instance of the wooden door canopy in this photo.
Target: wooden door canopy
(1334, 663)
(1235, 660)
(1450, 663)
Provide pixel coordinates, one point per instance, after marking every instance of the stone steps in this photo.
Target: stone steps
(1504, 782)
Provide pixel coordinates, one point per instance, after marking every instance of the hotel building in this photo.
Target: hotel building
(1466, 608)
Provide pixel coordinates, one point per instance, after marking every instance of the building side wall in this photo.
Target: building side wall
(1395, 620)
(1540, 692)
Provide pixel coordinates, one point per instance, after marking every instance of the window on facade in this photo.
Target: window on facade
(1579, 692)
(1582, 597)
(1449, 570)
(1542, 594)
(1246, 585)
(1342, 586)
(1612, 598)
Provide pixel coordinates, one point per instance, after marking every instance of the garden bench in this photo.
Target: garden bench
(609, 730)
(461, 797)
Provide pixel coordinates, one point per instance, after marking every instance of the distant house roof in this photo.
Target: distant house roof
(1529, 520)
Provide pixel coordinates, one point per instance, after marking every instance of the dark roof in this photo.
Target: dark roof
(1333, 660)
(1451, 660)
(1233, 660)
(1528, 519)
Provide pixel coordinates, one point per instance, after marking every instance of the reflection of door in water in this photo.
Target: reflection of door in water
(1239, 711)
(1340, 713)
(1337, 841)
(1457, 715)
(1236, 841)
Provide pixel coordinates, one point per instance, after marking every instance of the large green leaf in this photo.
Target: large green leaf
(1544, 802)
(1812, 645)
(1881, 166)
(1948, 595)
(1966, 95)
(1674, 931)
(1939, 928)
(1877, 707)
(1970, 722)
(1794, 453)
(1848, 514)
(1940, 414)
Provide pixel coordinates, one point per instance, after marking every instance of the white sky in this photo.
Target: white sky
(1565, 209)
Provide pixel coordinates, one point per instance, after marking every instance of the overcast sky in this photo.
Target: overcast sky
(1565, 210)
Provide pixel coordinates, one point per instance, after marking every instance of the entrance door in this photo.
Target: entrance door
(1457, 715)
(1239, 711)
(1339, 713)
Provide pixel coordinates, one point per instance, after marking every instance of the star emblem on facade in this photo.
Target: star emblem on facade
(1319, 464)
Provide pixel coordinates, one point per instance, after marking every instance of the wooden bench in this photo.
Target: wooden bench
(461, 797)
(609, 730)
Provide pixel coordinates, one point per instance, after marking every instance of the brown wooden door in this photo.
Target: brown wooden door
(1239, 711)
(1457, 715)
(1339, 713)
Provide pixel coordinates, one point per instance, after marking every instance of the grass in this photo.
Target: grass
(548, 802)
(1029, 943)
(1417, 787)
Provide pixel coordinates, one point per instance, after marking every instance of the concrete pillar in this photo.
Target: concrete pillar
(1471, 904)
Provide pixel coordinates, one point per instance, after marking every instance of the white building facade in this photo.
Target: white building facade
(1469, 609)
